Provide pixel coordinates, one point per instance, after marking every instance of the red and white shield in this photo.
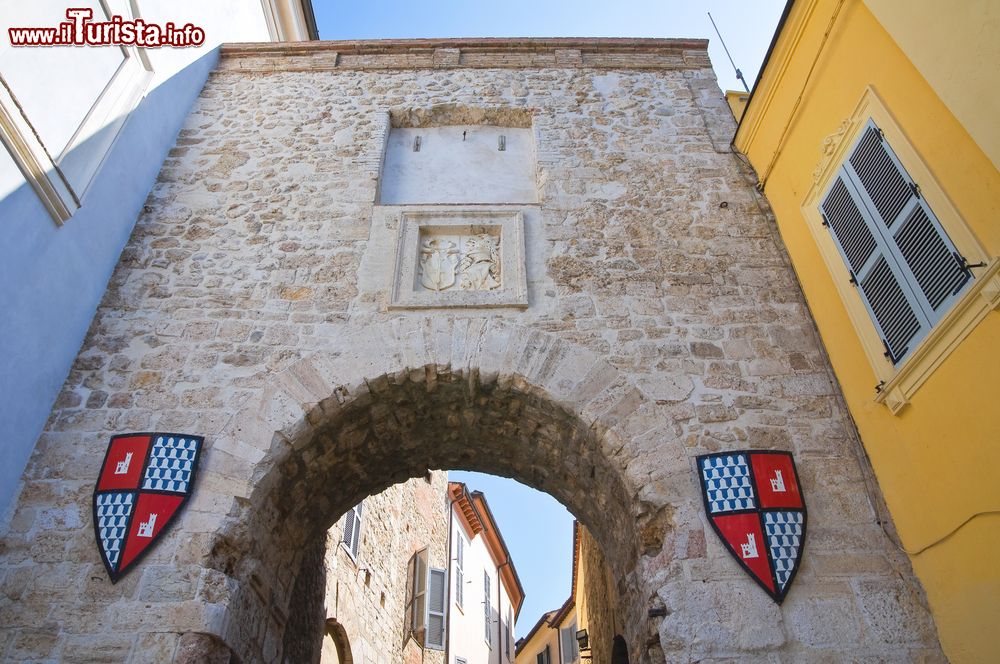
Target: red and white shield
(145, 480)
(755, 505)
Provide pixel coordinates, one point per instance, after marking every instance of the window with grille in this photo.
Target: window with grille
(352, 530)
(905, 267)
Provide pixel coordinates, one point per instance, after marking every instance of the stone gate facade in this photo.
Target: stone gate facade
(630, 311)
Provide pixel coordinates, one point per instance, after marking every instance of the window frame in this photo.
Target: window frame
(893, 385)
(44, 167)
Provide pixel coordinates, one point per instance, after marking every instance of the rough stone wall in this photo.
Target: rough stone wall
(663, 322)
(368, 596)
(597, 599)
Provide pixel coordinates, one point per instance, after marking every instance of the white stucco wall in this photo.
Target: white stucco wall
(466, 629)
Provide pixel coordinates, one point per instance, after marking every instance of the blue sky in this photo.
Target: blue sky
(746, 26)
(538, 530)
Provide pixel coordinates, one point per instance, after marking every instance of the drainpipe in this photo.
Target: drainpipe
(559, 643)
(447, 613)
(500, 641)
(499, 618)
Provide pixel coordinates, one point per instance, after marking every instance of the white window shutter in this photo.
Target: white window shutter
(899, 256)
(437, 587)
(926, 251)
(460, 573)
(356, 541)
(510, 632)
(570, 646)
(487, 609)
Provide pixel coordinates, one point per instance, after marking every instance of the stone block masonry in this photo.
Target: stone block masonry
(251, 307)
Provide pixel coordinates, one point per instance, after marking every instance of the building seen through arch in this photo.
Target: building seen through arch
(393, 592)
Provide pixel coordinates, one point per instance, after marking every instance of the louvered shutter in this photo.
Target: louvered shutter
(508, 633)
(352, 529)
(487, 608)
(460, 573)
(899, 256)
(437, 585)
(419, 590)
(569, 644)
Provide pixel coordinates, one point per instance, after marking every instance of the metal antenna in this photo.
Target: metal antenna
(739, 74)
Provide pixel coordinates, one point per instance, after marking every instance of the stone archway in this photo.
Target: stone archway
(335, 636)
(393, 402)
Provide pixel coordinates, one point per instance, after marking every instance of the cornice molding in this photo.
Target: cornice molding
(600, 53)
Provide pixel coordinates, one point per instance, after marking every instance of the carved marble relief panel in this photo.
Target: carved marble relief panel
(455, 258)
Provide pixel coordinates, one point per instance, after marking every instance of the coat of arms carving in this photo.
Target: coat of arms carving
(472, 262)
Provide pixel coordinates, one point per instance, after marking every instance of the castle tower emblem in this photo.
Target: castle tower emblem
(121, 468)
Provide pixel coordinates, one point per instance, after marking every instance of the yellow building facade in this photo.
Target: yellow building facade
(585, 627)
(873, 132)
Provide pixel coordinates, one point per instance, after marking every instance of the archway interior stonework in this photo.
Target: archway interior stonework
(396, 426)
(659, 320)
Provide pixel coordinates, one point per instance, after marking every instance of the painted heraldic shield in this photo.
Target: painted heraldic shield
(145, 480)
(755, 504)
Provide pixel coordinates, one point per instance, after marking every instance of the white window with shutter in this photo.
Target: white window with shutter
(437, 589)
(429, 589)
(487, 609)
(570, 646)
(459, 569)
(544, 657)
(352, 530)
(905, 267)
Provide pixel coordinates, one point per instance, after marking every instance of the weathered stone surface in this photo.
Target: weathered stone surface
(251, 307)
